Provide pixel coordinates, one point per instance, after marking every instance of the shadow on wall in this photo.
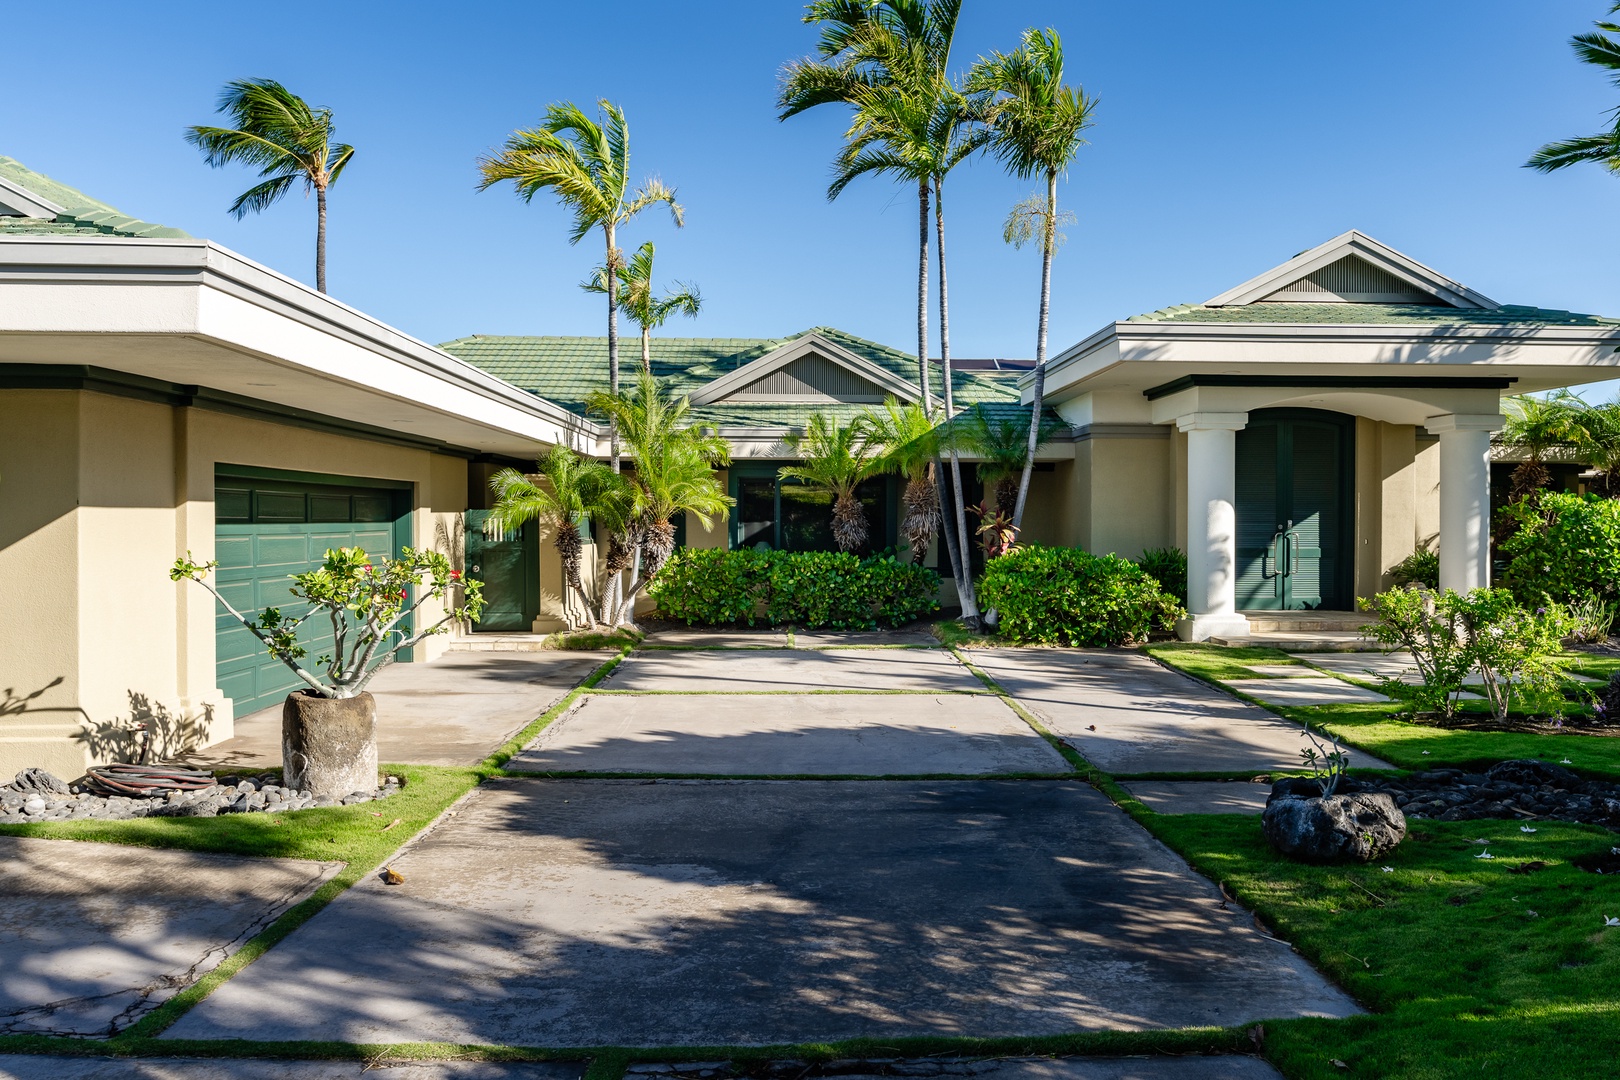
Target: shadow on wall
(151, 732)
(15, 704)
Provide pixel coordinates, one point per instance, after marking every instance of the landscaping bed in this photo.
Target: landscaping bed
(230, 795)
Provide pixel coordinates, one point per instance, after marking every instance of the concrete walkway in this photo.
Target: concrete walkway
(453, 711)
(95, 936)
(1128, 714)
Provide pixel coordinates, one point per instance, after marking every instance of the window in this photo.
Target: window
(773, 514)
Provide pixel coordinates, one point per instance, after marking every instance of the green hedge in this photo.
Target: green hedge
(810, 589)
(1567, 548)
(1065, 596)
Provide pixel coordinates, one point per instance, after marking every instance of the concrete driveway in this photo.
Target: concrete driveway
(453, 711)
(704, 913)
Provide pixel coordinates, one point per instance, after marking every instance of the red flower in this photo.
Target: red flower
(455, 573)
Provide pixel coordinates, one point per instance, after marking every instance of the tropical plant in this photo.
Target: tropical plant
(1037, 119)
(275, 131)
(564, 488)
(1001, 441)
(1562, 549)
(908, 442)
(809, 589)
(674, 472)
(1539, 427)
(996, 533)
(587, 166)
(368, 605)
(1422, 567)
(1597, 443)
(1065, 596)
(637, 302)
(1603, 52)
(1167, 566)
(834, 459)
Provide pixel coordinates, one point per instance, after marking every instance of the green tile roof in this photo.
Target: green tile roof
(81, 215)
(567, 370)
(1347, 314)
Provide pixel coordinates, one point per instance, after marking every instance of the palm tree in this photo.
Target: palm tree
(835, 458)
(1597, 442)
(1001, 442)
(1537, 427)
(587, 166)
(1601, 51)
(1037, 119)
(674, 473)
(571, 488)
(276, 132)
(867, 44)
(908, 440)
(637, 301)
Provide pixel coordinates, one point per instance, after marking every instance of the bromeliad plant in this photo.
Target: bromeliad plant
(369, 606)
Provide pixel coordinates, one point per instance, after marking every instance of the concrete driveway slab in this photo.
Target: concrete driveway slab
(737, 637)
(791, 735)
(21, 1067)
(1200, 796)
(453, 711)
(706, 913)
(1212, 1067)
(832, 639)
(94, 936)
(1128, 714)
(793, 669)
(1322, 690)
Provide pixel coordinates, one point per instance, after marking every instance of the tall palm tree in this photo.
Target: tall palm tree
(570, 487)
(674, 462)
(1000, 441)
(587, 166)
(637, 301)
(1601, 51)
(835, 458)
(908, 440)
(275, 131)
(1539, 427)
(867, 44)
(1037, 119)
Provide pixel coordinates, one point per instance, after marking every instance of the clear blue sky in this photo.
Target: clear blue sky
(1229, 137)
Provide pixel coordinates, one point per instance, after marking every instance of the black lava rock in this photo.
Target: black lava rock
(1359, 826)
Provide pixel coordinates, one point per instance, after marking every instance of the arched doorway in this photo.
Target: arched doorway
(1295, 510)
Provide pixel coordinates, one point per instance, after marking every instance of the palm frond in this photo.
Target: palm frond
(260, 197)
(1603, 149)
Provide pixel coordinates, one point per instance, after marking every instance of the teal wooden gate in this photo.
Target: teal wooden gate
(508, 563)
(1295, 510)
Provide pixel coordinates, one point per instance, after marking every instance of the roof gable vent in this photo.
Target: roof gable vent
(1351, 280)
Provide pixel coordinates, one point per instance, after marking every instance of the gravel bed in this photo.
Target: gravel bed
(1522, 790)
(37, 796)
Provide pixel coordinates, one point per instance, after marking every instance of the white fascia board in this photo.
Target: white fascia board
(783, 355)
(1365, 247)
(200, 290)
(25, 202)
(1091, 354)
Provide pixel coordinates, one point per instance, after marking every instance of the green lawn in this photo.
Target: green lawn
(1377, 729)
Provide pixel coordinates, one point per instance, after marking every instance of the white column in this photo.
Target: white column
(1212, 526)
(1465, 498)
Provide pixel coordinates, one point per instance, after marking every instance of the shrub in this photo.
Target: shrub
(1418, 568)
(1167, 566)
(1563, 548)
(1065, 596)
(811, 589)
(1515, 650)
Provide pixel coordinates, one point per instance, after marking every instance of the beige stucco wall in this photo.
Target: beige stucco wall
(1387, 501)
(1132, 492)
(98, 496)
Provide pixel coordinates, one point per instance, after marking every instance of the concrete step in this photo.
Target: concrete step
(499, 643)
(1305, 622)
(1304, 641)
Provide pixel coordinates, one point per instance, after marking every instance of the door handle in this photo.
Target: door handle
(1273, 553)
(1293, 553)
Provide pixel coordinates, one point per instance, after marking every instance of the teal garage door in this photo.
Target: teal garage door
(268, 527)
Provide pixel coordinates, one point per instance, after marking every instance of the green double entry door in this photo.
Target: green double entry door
(1295, 517)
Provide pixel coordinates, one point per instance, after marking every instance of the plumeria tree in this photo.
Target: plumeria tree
(369, 606)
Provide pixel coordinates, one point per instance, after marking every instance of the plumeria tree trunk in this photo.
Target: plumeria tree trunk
(964, 570)
(1048, 244)
(320, 239)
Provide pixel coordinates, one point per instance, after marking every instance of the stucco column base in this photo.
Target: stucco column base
(1204, 627)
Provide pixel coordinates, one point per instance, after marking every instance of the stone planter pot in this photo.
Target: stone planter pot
(1358, 827)
(329, 745)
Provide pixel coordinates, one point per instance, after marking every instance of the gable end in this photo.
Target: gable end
(1351, 280)
(810, 378)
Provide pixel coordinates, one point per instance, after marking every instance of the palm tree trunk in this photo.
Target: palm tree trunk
(646, 350)
(320, 240)
(613, 340)
(922, 297)
(964, 584)
(1047, 243)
